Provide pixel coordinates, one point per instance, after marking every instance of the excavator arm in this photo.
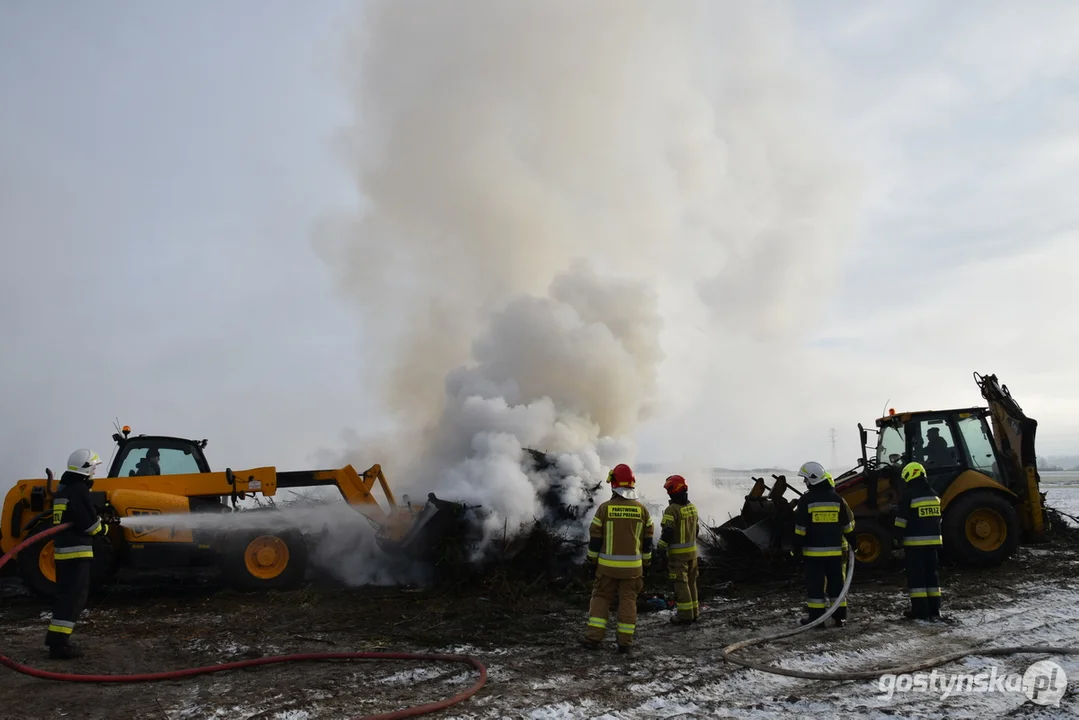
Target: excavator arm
(1014, 433)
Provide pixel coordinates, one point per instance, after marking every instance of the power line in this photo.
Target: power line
(835, 460)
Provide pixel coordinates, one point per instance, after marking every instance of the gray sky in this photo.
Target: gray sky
(162, 170)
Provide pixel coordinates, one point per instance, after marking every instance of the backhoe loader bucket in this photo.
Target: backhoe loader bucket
(762, 526)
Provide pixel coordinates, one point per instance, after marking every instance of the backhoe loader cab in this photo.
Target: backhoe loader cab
(980, 460)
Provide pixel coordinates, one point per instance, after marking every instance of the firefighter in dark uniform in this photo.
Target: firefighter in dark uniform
(678, 536)
(917, 522)
(821, 523)
(74, 551)
(620, 547)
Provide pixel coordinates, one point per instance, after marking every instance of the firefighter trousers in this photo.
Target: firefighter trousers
(824, 574)
(604, 591)
(922, 581)
(72, 589)
(683, 572)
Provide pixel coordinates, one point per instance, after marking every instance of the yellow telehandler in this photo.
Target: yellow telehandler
(163, 475)
(980, 460)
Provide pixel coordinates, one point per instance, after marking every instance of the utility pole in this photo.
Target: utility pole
(835, 460)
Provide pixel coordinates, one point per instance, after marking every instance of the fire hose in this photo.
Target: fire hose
(727, 652)
(297, 657)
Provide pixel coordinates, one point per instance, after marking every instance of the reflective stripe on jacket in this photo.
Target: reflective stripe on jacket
(918, 515)
(845, 544)
(620, 538)
(71, 503)
(679, 530)
(822, 520)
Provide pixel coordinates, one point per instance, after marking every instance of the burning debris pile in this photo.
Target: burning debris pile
(451, 537)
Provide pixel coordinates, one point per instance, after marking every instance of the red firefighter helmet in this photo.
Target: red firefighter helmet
(621, 477)
(675, 484)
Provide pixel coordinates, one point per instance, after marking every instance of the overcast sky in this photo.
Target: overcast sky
(162, 168)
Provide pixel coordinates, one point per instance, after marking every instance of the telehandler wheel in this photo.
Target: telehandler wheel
(37, 566)
(874, 546)
(980, 529)
(37, 563)
(253, 560)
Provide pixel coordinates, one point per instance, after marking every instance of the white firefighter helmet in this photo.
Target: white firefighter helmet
(813, 472)
(83, 461)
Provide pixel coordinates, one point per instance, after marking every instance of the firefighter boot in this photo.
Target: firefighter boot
(807, 620)
(64, 651)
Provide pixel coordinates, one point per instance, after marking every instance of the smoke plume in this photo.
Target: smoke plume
(550, 193)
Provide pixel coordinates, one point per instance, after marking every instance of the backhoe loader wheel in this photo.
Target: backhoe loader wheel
(980, 528)
(874, 546)
(254, 560)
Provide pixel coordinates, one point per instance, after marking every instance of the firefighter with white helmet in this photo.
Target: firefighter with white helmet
(822, 522)
(73, 549)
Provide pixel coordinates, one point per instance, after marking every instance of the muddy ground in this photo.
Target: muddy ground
(527, 638)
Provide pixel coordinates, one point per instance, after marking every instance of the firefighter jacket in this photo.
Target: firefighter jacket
(822, 521)
(845, 544)
(918, 516)
(71, 503)
(620, 538)
(679, 530)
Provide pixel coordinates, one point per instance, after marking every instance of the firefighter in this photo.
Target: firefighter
(620, 548)
(73, 550)
(679, 537)
(822, 521)
(917, 521)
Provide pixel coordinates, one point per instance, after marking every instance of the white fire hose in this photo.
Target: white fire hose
(727, 652)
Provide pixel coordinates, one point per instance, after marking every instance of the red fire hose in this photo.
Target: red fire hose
(298, 657)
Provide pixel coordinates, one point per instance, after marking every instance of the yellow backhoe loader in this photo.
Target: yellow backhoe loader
(980, 460)
(162, 475)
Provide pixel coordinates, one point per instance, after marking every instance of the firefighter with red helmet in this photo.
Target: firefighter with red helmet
(620, 547)
(678, 536)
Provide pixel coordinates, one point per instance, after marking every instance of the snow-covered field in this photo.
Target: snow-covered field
(691, 681)
(1062, 492)
(537, 671)
(694, 682)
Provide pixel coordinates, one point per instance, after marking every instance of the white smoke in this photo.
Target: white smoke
(569, 375)
(340, 541)
(551, 191)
